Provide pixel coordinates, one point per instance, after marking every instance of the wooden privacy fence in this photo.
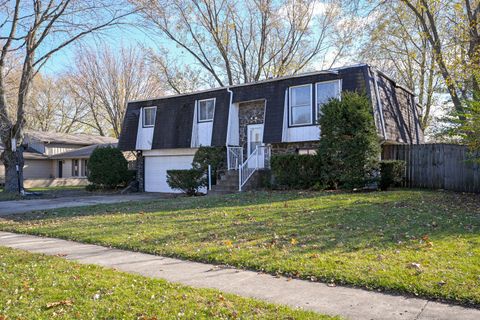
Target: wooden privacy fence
(437, 166)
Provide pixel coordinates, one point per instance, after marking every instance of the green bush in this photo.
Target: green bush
(391, 173)
(349, 149)
(108, 168)
(294, 171)
(188, 181)
(214, 156)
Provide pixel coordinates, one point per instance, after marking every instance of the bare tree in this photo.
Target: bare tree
(34, 31)
(52, 107)
(244, 41)
(105, 81)
(452, 28)
(397, 43)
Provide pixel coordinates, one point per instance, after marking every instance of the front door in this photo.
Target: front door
(60, 168)
(254, 140)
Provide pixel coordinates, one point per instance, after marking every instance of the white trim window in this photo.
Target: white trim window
(149, 114)
(300, 106)
(325, 91)
(206, 110)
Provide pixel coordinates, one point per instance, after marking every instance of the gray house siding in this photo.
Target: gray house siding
(173, 128)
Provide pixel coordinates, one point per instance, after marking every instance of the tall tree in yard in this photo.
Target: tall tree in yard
(33, 31)
(452, 28)
(104, 81)
(244, 41)
(397, 43)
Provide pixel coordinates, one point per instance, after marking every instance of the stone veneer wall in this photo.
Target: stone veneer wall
(292, 147)
(249, 113)
(140, 171)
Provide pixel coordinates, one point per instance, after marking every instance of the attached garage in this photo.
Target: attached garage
(159, 161)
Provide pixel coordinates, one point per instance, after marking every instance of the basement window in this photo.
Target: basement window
(307, 151)
(300, 112)
(149, 116)
(206, 110)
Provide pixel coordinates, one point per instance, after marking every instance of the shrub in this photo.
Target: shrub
(349, 149)
(295, 171)
(391, 173)
(214, 156)
(108, 168)
(189, 181)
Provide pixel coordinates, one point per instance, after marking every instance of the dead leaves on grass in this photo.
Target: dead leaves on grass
(59, 303)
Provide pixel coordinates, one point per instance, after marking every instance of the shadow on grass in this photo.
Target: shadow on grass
(317, 222)
(169, 205)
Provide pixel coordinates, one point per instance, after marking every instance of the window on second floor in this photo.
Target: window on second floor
(300, 111)
(149, 116)
(325, 91)
(206, 110)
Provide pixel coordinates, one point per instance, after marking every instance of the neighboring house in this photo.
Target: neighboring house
(256, 119)
(57, 159)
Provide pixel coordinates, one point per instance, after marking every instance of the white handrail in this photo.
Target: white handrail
(234, 157)
(261, 156)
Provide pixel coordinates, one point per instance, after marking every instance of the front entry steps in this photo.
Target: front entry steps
(228, 183)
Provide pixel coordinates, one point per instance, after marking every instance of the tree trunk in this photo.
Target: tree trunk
(10, 160)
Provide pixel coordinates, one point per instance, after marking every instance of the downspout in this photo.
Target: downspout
(228, 126)
(229, 115)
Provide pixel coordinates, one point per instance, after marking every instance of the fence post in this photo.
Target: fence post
(209, 177)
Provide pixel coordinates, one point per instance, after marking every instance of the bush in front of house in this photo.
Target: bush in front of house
(216, 157)
(293, 171)
(349, 149)
(188, 181)
(108, 168)
(391, 173)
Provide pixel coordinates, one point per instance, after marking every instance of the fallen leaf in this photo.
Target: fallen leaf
(59, 303)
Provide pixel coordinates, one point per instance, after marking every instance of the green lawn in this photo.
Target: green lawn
(45, 193)
(418, 242)
(57, 188)
(35, 286)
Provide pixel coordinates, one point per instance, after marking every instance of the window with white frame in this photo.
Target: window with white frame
(75, 168)
(149, 116)
(300, 105)
(206, 109)
(325, 91)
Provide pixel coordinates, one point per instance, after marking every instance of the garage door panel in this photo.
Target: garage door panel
(156, 171)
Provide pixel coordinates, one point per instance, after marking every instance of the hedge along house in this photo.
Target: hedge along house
(255, 120)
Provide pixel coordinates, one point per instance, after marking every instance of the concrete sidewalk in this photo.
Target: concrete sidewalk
(22, 206)
(347, 302)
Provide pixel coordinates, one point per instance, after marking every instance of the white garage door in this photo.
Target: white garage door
(156, 171)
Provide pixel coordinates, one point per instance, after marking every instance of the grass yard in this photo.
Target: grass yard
(418, 242)
(35, 286)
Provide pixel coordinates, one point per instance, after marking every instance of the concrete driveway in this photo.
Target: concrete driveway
(22, 206)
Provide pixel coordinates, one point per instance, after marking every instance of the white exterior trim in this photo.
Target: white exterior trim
(154, 117)
(198, 106)
(290, 106)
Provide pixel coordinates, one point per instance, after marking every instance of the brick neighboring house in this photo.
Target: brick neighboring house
(255, 120)
(57, 159)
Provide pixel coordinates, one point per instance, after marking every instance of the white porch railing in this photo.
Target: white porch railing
(234, 157)
(258, 159)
